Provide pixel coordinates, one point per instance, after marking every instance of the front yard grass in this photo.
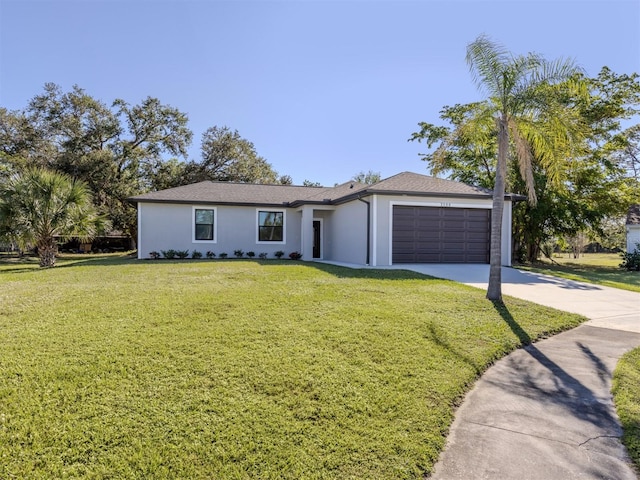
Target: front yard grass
(118, 368)
(626, 379)
(597, 268)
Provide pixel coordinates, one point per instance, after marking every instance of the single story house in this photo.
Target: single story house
(406, 218)
(633, 227)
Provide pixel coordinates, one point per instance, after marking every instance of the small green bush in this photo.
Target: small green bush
(211, 254)
(631, 260)
(196, 254)
(154, 255)
(169, 254)
(295, 256)
(223, 255)
(262, 255)
(182, 253)
(238, 253)
(279, 254)
(251, 254)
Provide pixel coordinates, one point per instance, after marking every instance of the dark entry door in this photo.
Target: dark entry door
(316, 239)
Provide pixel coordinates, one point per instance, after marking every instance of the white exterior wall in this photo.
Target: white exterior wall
(345, 233)
(383, 221)
(507, 233)
(163, 226)
(633, 237)
(306, 233)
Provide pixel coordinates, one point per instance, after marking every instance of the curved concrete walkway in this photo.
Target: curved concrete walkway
(546, 411)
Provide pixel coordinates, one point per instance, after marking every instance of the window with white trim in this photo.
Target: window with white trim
(271, 226)
(204, 224)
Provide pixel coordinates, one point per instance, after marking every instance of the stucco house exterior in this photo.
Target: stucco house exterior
(633, 227)
(406, 218)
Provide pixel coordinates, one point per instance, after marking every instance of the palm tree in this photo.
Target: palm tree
(38, 205)
(528, 114)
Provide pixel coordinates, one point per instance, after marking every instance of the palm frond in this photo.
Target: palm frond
(536, 75)
(524, 157)
(487, 61)
(555, 71)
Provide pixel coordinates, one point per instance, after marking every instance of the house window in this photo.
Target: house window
(204, 224)
(270, 226)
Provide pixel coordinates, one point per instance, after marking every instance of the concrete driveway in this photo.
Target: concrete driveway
(545, 411)
(604, 306)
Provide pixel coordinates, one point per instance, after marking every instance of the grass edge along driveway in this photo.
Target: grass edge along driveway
(597, 268)
(626, 379)
(120, 368)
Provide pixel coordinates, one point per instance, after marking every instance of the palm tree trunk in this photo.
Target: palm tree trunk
(494, 290)
(47, 252)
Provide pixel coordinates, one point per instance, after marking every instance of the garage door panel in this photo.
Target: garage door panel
(440, 235)
(477, 258)
(428, 222)
(482, 221)
(484, 246)
(453, 236)
(404, 236)
(425, 258)
(475, 252)
(422, 213)
(477, 237)
(480, 213)
(427, 236)
(450, 212)
(452, 258)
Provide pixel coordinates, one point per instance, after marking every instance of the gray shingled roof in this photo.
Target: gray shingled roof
(257, 194)
(331, 194)
(415, 183)
(230, 193)
(633, 215)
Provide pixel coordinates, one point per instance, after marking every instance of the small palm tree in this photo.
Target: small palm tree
(37, 206)
(528, 113)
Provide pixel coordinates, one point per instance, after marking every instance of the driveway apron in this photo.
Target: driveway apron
(545, 411)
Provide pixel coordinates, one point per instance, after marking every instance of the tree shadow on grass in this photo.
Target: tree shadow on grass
(31, 264)
(515, 327)
(66, 261)
(368, 273)
(452, 348)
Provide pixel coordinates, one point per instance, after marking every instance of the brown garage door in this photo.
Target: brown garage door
(440, 235)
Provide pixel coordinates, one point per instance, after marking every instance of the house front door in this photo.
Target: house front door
(317, 238)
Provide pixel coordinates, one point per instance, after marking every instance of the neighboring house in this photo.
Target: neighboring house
(113, 241)
(407, 218)
(633, 227)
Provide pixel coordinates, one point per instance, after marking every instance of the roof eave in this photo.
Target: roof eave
(299, 203)
(369, 192)
(205, 202)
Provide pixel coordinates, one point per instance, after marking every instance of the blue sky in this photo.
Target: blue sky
(324, 89)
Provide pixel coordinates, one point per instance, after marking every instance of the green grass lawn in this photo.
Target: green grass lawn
(598, 268)
(626, 379)
(118, 368)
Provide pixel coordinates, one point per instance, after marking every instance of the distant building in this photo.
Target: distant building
(633, 227)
